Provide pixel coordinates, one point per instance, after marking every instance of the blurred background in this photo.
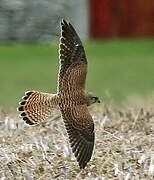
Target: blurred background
(118, 37)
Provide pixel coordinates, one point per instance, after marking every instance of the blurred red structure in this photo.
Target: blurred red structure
(121, 18)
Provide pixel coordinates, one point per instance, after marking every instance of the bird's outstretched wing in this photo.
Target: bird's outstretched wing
(80, 129)
(37, 106)
(72, 59)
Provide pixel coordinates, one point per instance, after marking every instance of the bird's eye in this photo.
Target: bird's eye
(95, 98)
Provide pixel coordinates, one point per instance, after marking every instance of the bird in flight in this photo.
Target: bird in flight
(71, 98)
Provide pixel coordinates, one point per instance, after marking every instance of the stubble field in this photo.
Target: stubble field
(124, 146)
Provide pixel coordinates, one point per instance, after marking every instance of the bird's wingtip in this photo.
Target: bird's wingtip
(63, 22)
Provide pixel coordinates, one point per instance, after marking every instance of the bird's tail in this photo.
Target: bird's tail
(37, 106)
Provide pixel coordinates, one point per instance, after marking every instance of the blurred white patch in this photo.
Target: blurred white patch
(27, 175)
(20, 124)
(9, 124)
(44, 144)
(66, 152)
(73, 157)
(89, 173)
(92, 166)
(57, 147)
(116, 169)
(104, 120)
(3, 178)
(27, 147)
(142, 159)
(151, 167)
(128, 176)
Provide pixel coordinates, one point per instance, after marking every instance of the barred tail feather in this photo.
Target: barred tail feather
(37, 106)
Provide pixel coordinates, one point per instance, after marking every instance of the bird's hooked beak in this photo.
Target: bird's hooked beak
(98, 100)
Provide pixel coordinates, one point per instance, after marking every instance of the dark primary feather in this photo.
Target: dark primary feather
(70, 44)
(70, 49)
(81, 137)
(82, 143)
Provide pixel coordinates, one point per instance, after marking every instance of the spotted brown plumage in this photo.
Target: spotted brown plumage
(37, 106)
(71, 98)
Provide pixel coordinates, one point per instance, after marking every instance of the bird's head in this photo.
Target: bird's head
(91, 99)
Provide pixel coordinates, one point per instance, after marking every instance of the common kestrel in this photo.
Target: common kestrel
(71, 98)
